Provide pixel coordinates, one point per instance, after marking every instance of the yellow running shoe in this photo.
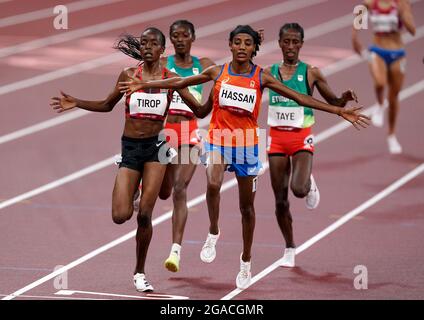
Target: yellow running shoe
(173, 262)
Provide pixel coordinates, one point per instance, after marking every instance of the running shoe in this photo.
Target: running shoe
(136, 199)
(173, 262)
(244, 276)
(141, 284)
(377, 117)
(208, 252)
(313, 197)
(118, 159)
(288, 258)
(394, 145)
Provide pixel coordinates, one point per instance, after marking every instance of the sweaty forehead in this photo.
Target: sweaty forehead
(150, 35)
(243, 36)
(181, 28)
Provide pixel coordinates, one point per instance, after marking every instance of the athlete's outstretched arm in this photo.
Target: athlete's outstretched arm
(319, 80)
(67, 102)
(200, 110)
(206, 63)
(406, 16)
(134, 84)
(351, 114)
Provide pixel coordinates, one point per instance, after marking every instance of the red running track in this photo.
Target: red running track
(61, 225)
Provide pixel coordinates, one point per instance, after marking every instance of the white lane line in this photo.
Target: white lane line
(48, 12)
(227, 185)
(148, 296)
(205, 31)
(347, 217)
(139, 18)
(43, 125)
(95, 63)
(160, 219)
(258, 15)
(54, 298)
(100, 165)
(199, 199)
(60, 73)
(57, 183)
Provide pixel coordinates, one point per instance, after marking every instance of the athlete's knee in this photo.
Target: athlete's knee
(144, 220)
(213, 187)
(379, 85)
(120, 216)
(180, 191)
(165, 194)
(180, 187)
(247, 211)
(393, 94)
(282, 206)
(299, 191)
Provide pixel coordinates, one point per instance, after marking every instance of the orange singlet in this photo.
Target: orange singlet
(236, 105)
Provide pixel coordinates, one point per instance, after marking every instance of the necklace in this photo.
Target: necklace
(290, 65)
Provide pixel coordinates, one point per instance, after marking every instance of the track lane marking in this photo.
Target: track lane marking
(48, 12)
(346, 217)
(72, 115)
(201, 32)
(151, 15)
(199, 199)
(148, 296)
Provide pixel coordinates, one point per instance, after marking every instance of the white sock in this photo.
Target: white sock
(176, 248)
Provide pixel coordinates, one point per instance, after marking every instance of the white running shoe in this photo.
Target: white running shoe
(244, 276)
(377, 117)
(313, 197)
(208, 252)
(394, 145)
(136, 199)
(288, 258)
(141, 284)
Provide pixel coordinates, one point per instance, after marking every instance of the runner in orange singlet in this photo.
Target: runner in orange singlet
(233, 132)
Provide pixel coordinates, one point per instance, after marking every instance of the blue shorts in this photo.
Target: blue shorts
(244, 161)
(389, 56)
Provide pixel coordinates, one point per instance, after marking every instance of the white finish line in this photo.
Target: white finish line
(148, 296)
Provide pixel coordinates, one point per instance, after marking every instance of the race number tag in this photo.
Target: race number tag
(237, 97)
(148, 103)
(285, 116)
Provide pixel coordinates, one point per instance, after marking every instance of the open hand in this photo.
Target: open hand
(63, 103)
(130, 86)
(353, 116)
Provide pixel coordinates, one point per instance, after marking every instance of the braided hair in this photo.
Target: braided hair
(292, 26)
(130, 45)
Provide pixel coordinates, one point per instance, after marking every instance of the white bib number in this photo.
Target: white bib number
(237, 97)
(177, 102)
(385, 22)
(148, 103)
(285, 116)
